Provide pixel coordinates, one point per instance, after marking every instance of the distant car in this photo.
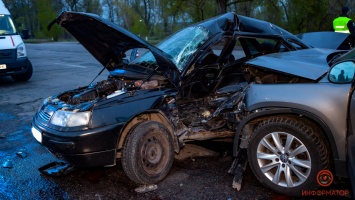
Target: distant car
(189, 87)
(13, 55)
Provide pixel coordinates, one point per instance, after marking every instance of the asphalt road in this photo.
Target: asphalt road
(62, 66)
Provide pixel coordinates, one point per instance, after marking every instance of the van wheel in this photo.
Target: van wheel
(148, 153)
(25, 76)
(286, 155)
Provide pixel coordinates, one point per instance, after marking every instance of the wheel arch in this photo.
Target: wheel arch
(270, 112)
(149, 115)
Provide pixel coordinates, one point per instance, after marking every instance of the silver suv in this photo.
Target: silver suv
(295, 119)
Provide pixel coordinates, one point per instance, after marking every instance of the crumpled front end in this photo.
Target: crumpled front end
(83, 126)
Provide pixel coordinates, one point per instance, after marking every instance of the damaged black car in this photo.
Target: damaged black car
(189, 87)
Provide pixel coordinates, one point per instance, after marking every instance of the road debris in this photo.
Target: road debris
(146, 188)
(8, 163)
(21, 154)
(238, 168)
(57, 169)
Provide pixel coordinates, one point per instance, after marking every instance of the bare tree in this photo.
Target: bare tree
(92, 6)
(223, 5)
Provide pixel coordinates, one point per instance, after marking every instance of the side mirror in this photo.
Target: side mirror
(342, 72)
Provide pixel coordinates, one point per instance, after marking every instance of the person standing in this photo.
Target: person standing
(343, 23)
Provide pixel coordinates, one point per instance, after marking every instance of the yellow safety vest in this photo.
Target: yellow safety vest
(340, 24)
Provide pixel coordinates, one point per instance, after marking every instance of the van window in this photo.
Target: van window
(7, 26)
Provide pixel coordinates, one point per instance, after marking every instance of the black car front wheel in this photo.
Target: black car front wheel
(25, 76)
(148, 153)
(286, 155)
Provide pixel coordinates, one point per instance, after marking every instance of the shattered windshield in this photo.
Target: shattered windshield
(180, 46)
(7, 26)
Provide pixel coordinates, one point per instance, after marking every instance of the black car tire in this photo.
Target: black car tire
(25, 76)
(280, 167)
(148, 153)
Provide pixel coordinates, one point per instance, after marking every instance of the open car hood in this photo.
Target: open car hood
(106, 41)
(329, 40)
(309, 63)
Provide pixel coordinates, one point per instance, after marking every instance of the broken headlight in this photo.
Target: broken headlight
(70, 119)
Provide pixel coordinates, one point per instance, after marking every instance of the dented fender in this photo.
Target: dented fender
(250, 117)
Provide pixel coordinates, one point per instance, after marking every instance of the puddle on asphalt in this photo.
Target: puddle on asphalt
(6, 116)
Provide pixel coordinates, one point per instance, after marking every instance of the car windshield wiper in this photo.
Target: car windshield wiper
(8, 33)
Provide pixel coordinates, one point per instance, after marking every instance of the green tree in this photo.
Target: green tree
(72, 5)
(163, 17)
(200, 10)
(171, 12)
(225, 5)
(23, 14)
(47, 10)
(92, 6)
(145, 10)
(303, 17)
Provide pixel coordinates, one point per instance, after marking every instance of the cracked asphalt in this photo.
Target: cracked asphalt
(197, 173)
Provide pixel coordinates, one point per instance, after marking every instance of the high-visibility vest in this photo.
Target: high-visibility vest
(340, 24)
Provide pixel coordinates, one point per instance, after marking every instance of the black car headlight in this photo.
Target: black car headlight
(70, 119)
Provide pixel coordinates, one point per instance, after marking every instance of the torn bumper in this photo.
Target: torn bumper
(84, 148)
(57, 169)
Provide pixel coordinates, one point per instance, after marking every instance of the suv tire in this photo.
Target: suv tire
(286, 155)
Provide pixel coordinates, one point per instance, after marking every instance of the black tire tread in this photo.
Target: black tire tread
(131, 141)
(25, 76)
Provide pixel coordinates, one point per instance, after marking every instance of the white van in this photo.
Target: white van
(13, 55)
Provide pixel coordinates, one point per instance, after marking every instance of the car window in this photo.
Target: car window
(147, 60)
(238, 51)
(349, 55)
(342, 72)
(6, 25)
(211, 55)
(218, 47)
(296, 44)
(265, 46)
(256, 46)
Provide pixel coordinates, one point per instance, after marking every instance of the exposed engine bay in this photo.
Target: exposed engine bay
(98, 90)
(84, 98)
